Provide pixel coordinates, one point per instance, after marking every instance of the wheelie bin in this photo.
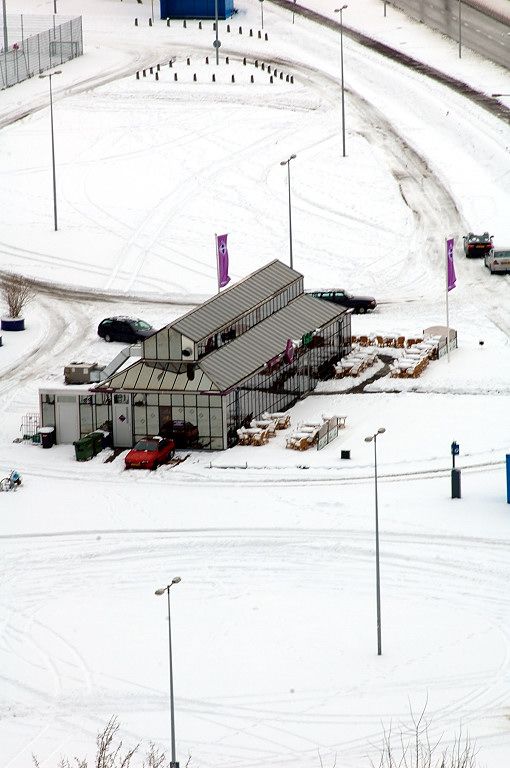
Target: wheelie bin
(47, 436)
(97, 441)
(84, 448)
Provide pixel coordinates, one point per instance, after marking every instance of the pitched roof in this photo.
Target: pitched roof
(235, 301)
(239, 359)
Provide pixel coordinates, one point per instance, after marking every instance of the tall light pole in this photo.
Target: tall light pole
(339, 10)
(175, 580)
(287, 163)
(262, 13)
(216, 42)
(369, 439)
(50, 75)
(460, 29)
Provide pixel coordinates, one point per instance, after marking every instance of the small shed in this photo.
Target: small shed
(196, 9)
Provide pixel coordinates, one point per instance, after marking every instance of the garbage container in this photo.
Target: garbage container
(106, 438)
(47, 436)
(97, 441)
(84, 448)
(345, 454)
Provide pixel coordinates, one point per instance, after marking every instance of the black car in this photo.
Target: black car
(360, 304)
(127, 329)
(477, 245)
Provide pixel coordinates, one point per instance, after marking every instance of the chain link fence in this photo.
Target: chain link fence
(28, 47)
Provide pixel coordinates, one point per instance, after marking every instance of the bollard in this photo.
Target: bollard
(194, 77)
(157, 76)
(175, 75)
(228, 27)
(287, 79)
(269, 68)
(200, 25)
(226, 59)
(137, 75)
(252, 79)
(170, 63)
(144, 73)
(214, 78)
(251, 32)
(271, 79)
(214, 26)
(184, 23)
(256, 63)
(150, 22)
(262, 66)
(168, 22)
(150, 70)
(207, 59)
(136, 22)
(158, 67)
(275, 72)
(281, 75)
(188, 62)
(240, 30)
(244, 61)
(456, 484)
(259, 34)
(265, 36)
(233, 78)
(292, 78)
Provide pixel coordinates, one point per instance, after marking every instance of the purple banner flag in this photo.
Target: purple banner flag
(450, 265)
(222, 257)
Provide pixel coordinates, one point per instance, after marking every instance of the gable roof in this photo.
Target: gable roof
(235, 301)
(239, 359)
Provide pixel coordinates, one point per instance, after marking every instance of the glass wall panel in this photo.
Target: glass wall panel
(149, 347)
(152, 419)
(163, 350)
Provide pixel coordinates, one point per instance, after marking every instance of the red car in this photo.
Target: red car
(149, 453)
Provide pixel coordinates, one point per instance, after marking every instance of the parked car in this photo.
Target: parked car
(149, 453)
(359, 304)
(498, 260)
(128, 329)
(183, 433)
(477, 245)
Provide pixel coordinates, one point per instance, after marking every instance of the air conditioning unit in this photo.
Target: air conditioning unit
(82, 373)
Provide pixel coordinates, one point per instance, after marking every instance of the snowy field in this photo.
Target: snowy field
(274, 623)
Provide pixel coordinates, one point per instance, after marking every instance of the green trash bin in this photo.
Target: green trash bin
(97, 441)
(84, 448)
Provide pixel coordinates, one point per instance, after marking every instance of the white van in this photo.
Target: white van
(498, 260)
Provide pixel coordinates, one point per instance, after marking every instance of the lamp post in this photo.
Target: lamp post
(216, 42)
(339, 10)
(262, 13)
(460, 29)
(369, 439)
(287, 163)
(175, 580)
(50, 75)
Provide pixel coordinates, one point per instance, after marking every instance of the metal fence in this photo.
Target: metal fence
(29, 47)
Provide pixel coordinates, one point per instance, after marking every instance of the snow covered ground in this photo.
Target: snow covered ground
(274, 623)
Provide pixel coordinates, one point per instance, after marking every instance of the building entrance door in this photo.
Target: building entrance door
(122, 424)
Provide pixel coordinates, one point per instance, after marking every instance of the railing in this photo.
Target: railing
(26, 52)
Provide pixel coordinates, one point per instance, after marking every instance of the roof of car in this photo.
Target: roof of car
(484, 236)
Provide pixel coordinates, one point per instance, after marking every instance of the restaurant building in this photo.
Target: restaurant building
(259, 345)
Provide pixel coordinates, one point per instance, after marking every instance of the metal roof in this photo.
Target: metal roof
(239, 359)
(235, 301)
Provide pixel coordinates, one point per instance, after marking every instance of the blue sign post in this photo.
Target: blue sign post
(455, 472)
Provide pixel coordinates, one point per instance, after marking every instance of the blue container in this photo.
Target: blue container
(195, 9)
(13, 324)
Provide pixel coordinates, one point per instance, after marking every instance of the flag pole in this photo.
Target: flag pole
(447, 308)
(217, 261)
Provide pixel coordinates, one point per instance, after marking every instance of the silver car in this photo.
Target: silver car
(498, 260)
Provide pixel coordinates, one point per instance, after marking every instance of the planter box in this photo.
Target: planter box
(12, 323)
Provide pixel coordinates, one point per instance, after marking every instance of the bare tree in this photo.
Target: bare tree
(17, 293)
(412, 747)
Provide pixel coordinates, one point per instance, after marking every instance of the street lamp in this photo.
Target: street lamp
(339, 10)
(262, 13)
(216, 42)
(460, 29)
(50, 75)
(175, 580)
(380, 431)
(287, 163)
